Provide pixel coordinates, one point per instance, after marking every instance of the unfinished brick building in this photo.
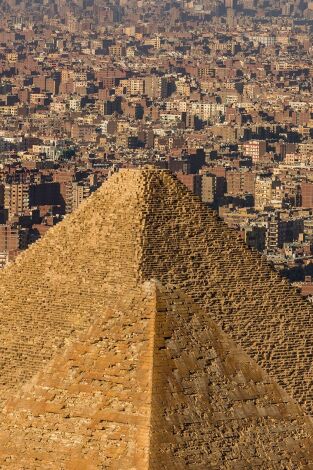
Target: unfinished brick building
(141, 333)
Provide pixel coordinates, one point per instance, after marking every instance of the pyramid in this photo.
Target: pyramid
(87, 356)
(154, 384)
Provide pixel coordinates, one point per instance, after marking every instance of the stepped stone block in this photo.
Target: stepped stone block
(102, 367)
(164, 388)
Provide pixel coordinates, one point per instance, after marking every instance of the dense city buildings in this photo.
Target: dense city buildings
(219, 92)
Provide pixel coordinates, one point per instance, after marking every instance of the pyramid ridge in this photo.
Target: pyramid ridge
(73, 415)
(186, 245)
(144, 224)
(58, 276)
(141, 231)
(139, 225)
(204, 385)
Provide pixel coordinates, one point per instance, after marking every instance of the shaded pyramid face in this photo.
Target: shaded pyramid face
(104, 373)
(154, 384)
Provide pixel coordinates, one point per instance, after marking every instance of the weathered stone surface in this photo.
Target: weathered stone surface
(90, 406)
(144, 224)
(153, 385)
(212, 405)
(99, 372)
(61, 283)
(185, 245)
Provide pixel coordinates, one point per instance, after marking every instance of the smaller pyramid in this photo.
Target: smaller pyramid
(153, 384)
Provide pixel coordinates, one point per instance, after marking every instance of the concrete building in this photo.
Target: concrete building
(263, 192)
(156, 87)
(16, 198)
(213, 188)
(255, 149)
(307, 194)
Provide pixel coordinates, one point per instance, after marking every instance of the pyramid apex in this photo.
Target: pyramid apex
(101, 274)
